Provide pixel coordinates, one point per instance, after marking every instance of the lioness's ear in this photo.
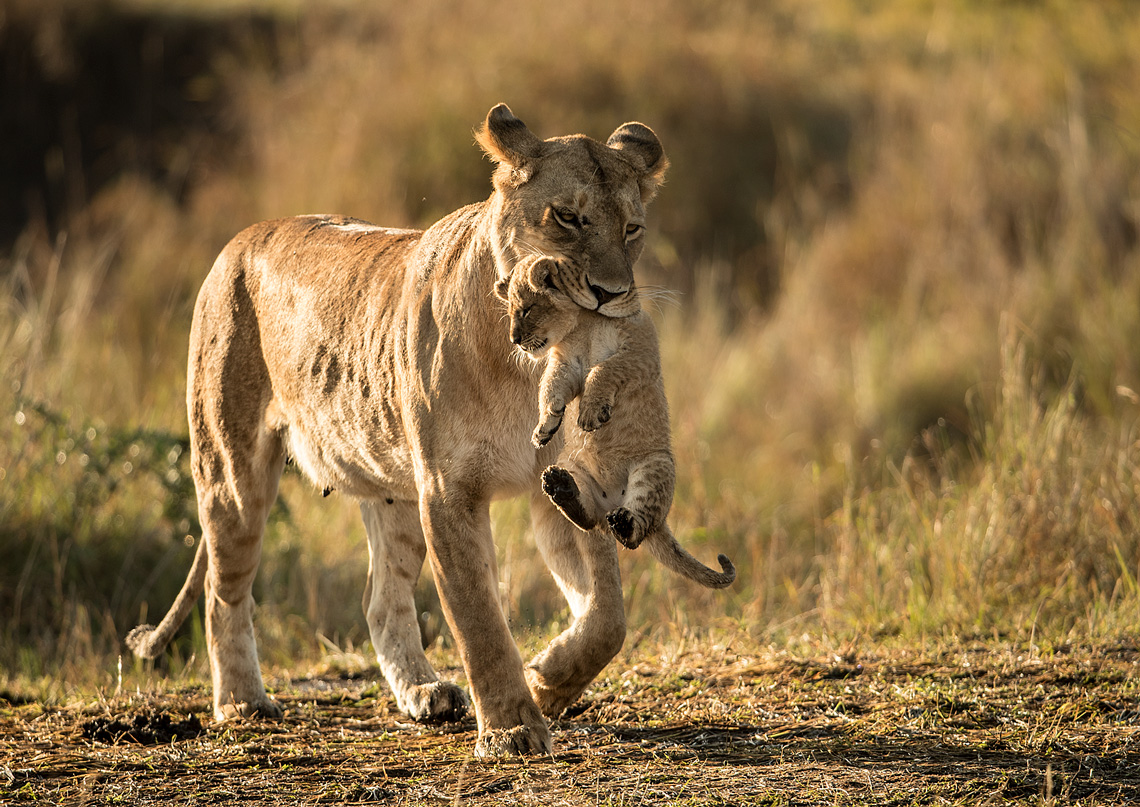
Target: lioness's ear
(638, 142)
(508, 142)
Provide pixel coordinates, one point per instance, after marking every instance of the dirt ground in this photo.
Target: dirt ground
(973, 724)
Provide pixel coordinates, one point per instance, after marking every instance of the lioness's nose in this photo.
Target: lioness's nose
(603, 295)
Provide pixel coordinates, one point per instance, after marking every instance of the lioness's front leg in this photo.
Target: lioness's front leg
(457, 525)
(396, 553)
(586, 570)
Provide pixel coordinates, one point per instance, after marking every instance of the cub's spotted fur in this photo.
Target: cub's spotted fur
(617, 466)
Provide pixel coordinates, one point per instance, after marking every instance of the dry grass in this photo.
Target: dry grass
(954, 724)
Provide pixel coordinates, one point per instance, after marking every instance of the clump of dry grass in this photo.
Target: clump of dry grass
(1033, 529)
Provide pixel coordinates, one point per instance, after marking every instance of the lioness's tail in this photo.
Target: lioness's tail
(147, 641)
(663, 546)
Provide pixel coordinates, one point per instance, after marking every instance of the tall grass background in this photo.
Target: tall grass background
(902, 348)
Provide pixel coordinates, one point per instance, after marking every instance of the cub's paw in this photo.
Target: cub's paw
(247, 710)
(545, 430)
(559, 485)
(592, 415)
(437, 702)
(625, 527)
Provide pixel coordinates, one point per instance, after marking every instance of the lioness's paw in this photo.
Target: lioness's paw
(516, 741)
(625, 527)
(437, 702)
(265, 708)
(593, 415)
(552, 701)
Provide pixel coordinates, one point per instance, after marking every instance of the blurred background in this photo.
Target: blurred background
(902, 343)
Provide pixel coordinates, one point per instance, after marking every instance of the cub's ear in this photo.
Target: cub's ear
(539, 275)
(502, 288)
(507, 141)
(638, 143)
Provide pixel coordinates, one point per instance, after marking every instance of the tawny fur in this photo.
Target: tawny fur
(616, 471)
(379, 360)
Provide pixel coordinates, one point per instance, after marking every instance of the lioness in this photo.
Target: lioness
(617, 466)
(377, 359)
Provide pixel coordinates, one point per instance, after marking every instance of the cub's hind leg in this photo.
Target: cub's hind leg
(648, 497)
(396, 552)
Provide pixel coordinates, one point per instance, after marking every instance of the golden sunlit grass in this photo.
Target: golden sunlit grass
(902, 363)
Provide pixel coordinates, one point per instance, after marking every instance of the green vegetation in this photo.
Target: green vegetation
(904, 241)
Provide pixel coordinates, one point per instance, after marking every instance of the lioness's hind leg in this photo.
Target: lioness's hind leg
(586, 569)
(396, 552)
(236, 475)
(236, 461)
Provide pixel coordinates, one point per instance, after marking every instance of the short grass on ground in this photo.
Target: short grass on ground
(968, 721)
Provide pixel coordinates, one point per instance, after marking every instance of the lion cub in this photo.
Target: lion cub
(622, 475)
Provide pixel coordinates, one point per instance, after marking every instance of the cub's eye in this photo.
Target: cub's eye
(633, 230)
(525, 312)
(566, 217)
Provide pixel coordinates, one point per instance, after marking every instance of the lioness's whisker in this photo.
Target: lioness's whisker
(660, 296)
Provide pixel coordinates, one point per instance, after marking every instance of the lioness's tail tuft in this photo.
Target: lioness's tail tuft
(141, 641)
(147, 641)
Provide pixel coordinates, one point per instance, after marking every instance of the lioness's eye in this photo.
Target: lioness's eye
(633, 230)
(566, 217)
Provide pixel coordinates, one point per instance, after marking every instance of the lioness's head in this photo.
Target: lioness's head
(573, 199)
(541, 315)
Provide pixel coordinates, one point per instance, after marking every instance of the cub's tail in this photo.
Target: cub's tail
(663, 546)
(147, 641)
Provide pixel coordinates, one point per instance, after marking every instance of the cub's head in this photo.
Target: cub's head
(541, 314)
(576, 200)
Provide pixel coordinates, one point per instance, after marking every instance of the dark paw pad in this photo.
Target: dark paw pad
(623, 526)
(559, 484)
